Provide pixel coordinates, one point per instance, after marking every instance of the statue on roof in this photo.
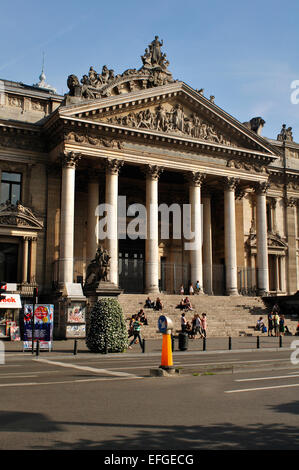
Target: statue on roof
(285, 134)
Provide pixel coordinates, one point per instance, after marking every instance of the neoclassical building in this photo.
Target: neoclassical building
(154, 140)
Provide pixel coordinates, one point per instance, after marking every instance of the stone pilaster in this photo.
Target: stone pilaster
(291, 265)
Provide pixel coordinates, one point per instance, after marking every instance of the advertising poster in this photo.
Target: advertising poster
(43, 325)
(76, 314)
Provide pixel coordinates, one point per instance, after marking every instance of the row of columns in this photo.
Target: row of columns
(202, 222)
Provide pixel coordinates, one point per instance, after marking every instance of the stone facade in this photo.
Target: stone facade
(155, 140)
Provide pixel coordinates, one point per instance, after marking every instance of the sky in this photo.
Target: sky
(246, 54)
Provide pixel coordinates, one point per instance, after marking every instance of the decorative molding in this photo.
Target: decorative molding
(261, 187)
(93, 140)
(196, 177)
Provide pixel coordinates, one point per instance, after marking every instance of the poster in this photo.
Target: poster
(75, 331)
(43, 325)
(76, 314)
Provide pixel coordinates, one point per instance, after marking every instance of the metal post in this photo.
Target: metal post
(280, 341)
(172, 343)
(230, 343)
(37, 347)
(143, 345)
(75, 347)
(204, 344)
(258, 342)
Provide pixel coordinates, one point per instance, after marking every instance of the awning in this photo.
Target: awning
(11, 301)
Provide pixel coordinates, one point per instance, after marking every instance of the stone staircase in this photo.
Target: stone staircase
(226, 316)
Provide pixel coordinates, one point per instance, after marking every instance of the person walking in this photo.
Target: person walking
(276, 324)
(281, 325)
(204, 325)
(136, 332)
(270, 324)
(183, 322)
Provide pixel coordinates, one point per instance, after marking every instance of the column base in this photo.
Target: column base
(232, 291)
(152, 290)
(262, 293)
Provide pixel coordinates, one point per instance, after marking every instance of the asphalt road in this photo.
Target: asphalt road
(61, 401)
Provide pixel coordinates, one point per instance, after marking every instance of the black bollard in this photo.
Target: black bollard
(106, 347)
(172, 343)
(230, 343)
(258, 342)
(143, 346)
(75, 347)
(280, 341)
(37, 347)
(204, 344)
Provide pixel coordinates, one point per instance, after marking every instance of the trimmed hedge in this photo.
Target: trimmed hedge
(107, 330)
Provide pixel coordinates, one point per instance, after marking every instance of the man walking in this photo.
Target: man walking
(136, 332)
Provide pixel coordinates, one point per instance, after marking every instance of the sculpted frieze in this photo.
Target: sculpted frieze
(172, 120)
(93, 140)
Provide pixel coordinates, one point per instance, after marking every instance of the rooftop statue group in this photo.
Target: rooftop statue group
(154, 72)
(285, 134)
(98, 268)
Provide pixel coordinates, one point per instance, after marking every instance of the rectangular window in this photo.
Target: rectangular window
(11, 187)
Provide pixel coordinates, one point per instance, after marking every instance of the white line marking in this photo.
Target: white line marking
(267, 378)
(103, 379)
(262, 388)
(16, 376)
(85, 368)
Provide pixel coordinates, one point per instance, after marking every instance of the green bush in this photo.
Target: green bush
(107, 329)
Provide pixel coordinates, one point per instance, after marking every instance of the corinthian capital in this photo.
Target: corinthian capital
(231, 183)
(70, 159)
(261, 187)
(114, 166)
(196, 177)
(153, 171)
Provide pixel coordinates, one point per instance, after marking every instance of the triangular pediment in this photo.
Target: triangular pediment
(18, 216)
(173, 110)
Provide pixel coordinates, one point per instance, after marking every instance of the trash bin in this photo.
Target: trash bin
(183, 341)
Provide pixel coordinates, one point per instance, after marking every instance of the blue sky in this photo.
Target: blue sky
(244, 53)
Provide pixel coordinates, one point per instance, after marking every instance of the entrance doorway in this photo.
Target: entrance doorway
(131, 265)
(9, 262)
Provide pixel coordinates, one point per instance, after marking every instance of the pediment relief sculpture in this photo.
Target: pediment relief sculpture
(154, 72)
(18, 215)
(171, 119)
(274, 241)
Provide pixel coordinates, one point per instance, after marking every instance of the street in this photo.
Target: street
(88, 401)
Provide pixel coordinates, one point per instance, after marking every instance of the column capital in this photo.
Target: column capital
(261, 187)
(196, 177)
(290, 201)
(70, 159)
(231, 183)
(113, 166)
(153, 171)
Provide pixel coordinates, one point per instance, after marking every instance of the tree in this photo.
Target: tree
(107, 330)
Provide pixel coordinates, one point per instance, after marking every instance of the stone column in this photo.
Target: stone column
(290, 210)
(93, 202)
(66, 261)
(152, 236)
(230, 237)
(112, 171)
(32, 267)
(25, 260)
(195, 181)
(207, 245)
(261, 239)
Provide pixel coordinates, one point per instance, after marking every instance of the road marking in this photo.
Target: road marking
(14, 376)
(85, 368)
(267, 378)
(102, 379)
(261, 388)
